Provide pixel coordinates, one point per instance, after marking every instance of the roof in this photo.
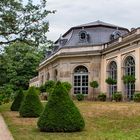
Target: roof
(97, 23)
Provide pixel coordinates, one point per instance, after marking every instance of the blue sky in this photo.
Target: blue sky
(74, 12)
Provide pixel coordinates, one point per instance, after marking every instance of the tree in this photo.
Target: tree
(31, 105)
(18, 65)
(94, 84)
(3, 68)
(60, 113)
(111, 81)
(25, 23)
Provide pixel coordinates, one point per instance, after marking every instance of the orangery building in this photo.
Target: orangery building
(96, 51)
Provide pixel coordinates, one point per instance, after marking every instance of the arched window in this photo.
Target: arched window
(48, 76)
(81, 80)
(129, 66)
(129, 70)
(42, 79)
(55, 75)
(112, 73)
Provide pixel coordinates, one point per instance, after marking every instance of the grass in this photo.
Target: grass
(104, 121)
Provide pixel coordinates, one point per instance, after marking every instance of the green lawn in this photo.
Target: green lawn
(104, 121)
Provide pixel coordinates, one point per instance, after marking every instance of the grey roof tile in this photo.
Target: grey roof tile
(98, 22)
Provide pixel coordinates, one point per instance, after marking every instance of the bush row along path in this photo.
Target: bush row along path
(4, 131)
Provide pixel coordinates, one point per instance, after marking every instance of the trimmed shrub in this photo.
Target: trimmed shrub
(128, 79)
(110, 81)
(94, 84)
(102, 97)
(18, 100)
(117, 96)
(67, 85)
(42, 88)
(80, 97)
(31, 105)
(49, 86)
(136, 97)
(60, 113)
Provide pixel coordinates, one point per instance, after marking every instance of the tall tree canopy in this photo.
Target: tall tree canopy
(23, 22)
(18, 64)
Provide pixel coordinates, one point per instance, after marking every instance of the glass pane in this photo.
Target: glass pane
(81, 80)
(80, 69)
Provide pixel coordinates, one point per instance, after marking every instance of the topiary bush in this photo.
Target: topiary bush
(67, 85)
(42, 88)
(111, 81)
(60, 113)
(117, 96)
(136, 97)
(94, 84)
(128, 79)
(80, 97)
(31, 105)
(102, 97)
(18, 100)
(49, 86)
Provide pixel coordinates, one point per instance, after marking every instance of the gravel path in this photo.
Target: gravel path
(4, 131)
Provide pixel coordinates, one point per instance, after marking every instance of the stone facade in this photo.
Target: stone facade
(119, 51)
(34, 82)
(90, 60)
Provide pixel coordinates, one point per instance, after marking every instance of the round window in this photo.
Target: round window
(83, 35)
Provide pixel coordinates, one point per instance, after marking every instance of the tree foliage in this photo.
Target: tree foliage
(111, 81)
(18, 64)
(60, 113)
(6, 93)
(94, 84)
(24, 22)
(129, 79)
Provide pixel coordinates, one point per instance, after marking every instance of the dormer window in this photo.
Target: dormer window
(83, 36)
(116, 34)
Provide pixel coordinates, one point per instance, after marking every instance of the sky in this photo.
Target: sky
(71, 13)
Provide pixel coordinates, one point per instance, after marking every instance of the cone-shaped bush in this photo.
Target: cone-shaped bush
(31, 105)
(17, 101)
(60, 113)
